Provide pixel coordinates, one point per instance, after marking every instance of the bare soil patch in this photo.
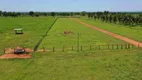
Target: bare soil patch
(9, 53)
(11, 50)
(13, 56)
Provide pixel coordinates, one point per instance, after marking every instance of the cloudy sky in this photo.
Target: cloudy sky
(70, 5)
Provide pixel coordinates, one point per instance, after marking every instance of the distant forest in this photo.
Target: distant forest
(127, 18)
(36, 14)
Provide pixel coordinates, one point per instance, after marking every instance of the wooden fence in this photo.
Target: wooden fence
(91, 47)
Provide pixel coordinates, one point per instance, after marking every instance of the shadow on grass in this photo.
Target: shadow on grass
(39, 42)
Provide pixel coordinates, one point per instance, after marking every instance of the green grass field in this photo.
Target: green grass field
(134, 33)
(34, 28)
(68, 65)
(98, 65)
(88, 36)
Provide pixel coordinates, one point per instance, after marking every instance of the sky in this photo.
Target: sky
(70, 5)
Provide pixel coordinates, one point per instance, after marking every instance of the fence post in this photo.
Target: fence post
(53, 49)
(43, 49)
(112, 46)
(63, 49)
(117, 46)
(99, 47)
(128, 46)
(125, 46)
(81, 48)
(4, 50)
(121, 46)
(108, 47)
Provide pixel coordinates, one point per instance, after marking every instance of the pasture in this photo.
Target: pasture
(34, 28)
(132, 32)
(68, 65)
(87, 36)
(111, 65)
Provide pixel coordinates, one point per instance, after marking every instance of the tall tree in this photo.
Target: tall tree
(37, 14)
(5, 14)
(45, 14)
(31, 13)
(0, 12)
(53, 14)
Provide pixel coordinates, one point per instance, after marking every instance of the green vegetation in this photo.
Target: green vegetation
(34, 29)
(115, 17)
(134, 33)
(98, 65)
(59, 36)
(69, 65)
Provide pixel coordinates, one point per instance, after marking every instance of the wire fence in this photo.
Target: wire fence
(91, 48)
(79, 48)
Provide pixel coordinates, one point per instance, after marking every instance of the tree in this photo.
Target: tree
(0, 12)
(37, 15)
(53, 14)
(13, 14)
(106, 12)
(115, 19)
(31, 13)
(89, 15)
(45, 14)
(71, 14)
(95, 17)
(19, 14)
(83, 13)
(5, 14)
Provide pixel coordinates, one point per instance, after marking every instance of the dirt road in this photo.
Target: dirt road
(135, 43)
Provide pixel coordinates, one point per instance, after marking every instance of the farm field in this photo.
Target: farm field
(111, 65)
(34, 28)
(134, 32)
(71, 40)
(68, 65)
(58, 37)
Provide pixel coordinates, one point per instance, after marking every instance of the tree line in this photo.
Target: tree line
(37, 14)
(124, 18)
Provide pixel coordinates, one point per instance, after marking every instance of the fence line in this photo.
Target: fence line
(39, 42)
(92, 47)
(86, 48)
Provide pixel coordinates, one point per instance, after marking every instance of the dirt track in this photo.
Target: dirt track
(136, 43)
(14, 56)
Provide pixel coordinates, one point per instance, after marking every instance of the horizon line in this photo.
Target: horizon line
(70, 11)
